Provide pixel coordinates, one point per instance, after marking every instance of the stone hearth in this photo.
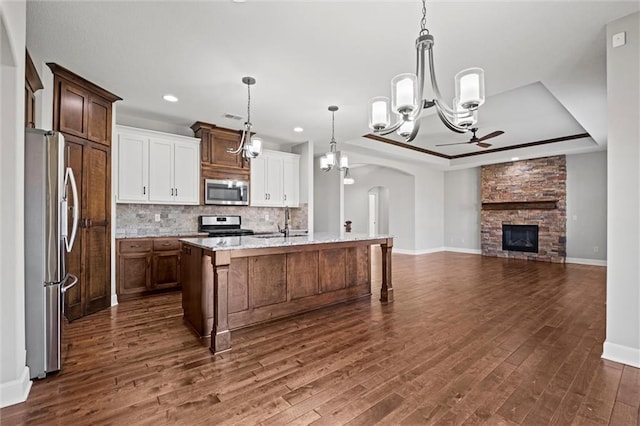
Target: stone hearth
(529, 192)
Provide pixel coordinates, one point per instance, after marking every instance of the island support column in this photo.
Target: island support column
(386, 291)
(220, 335)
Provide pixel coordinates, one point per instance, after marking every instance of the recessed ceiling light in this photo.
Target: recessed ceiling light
(170, 98)
(515, 158)
(238, 1)
(298, 129)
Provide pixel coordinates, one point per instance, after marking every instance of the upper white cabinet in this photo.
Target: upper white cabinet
(275, 180)
(157, 168)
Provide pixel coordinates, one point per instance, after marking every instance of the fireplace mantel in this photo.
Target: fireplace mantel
(521, 205)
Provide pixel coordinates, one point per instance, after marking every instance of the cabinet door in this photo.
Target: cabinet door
(291, 181)
(73, 109)
(186, 173)
(275, 190)
(133, 274)
(73, 297)
(133, 172)
(258, 184)
(220, 144)
(97, 258)
(160, 171)
(166, 269)
(99, 120)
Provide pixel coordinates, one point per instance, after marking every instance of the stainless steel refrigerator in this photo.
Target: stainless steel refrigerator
(51, 224)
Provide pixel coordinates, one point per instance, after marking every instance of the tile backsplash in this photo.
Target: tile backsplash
(138, 220)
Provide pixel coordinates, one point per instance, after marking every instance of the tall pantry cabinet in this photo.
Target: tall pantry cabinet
(82, 112)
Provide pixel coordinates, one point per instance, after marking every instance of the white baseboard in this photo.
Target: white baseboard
(15, 391)
(592, 262)
(114, 299)
(463, 250)
(622, 354)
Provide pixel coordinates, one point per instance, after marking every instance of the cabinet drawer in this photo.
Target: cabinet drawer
(135, 246)
(166, 244)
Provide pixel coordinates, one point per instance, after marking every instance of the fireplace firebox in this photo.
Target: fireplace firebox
(520, 238)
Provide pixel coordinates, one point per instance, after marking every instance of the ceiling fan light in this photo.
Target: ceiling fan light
(379, 113)
(406, 128)
(404, 93)
(469, 86)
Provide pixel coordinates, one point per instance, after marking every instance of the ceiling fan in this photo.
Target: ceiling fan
(478, 141)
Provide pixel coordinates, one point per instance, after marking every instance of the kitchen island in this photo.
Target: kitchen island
(235, 282)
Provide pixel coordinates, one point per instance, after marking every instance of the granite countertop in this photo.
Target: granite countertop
(276, 240)
(162, 234)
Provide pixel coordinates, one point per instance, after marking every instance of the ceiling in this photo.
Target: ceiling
(544, 62)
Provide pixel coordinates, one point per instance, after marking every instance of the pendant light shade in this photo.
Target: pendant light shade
(379, 112)
(404, 93)
(469, 86)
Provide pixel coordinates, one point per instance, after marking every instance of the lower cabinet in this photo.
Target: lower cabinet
(146, 266)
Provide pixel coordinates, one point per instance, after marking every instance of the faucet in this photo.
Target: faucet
(285, 230)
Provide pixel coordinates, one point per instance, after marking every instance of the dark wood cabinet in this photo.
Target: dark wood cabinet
(90, 259)
(146, 266)
(32, 84)
(82, 112)
(215, 160)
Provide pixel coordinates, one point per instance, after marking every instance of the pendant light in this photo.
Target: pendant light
(333, 159)
(250, 147)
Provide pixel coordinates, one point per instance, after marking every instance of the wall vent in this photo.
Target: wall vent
(231, 116)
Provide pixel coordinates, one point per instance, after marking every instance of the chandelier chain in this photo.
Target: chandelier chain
(423, 21)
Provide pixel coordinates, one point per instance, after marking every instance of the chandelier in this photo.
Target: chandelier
(249, 147)
(407, 95)
(333, 159)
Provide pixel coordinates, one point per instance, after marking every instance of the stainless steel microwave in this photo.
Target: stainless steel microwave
(226, 192)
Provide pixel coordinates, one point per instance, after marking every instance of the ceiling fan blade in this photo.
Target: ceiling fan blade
(455, 143)
(483, 144)
(490, 135)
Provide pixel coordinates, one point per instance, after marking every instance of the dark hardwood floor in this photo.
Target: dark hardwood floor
(468, 340)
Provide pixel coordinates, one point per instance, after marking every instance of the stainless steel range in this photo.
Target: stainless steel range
(222, 226)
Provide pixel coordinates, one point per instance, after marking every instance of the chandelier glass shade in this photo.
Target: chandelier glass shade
(250, 147)
(408, 102)
(333, 159)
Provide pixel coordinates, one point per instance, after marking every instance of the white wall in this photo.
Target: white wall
(462, 210)
(326, 196)
(14, 375)
(401, 205)
(428, 196)
(622, 343)
(587, 208)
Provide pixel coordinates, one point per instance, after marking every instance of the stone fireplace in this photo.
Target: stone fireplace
(524, 209)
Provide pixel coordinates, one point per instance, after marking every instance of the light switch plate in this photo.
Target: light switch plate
(619, 39)
(157, 217)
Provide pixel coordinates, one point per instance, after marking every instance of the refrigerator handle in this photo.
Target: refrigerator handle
(74, 281)
(69, 178)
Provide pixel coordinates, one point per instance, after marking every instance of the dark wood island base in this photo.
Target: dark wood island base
(226, 289)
